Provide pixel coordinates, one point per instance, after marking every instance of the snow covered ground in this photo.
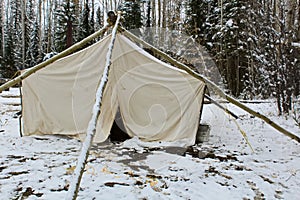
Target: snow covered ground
(222, 168)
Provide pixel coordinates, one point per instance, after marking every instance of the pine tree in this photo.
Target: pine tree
(275, 57)
(66, 26)
(13, 37)
(254, 74)
(99, 18)
(34, 52)
(48, 39)
(148, 16)
(265, 54)
(9, 59)
(197, 12)
(287, 58)
(26, 36)
(92, 18)
(132, 16)
(221, 29)
(85, 26)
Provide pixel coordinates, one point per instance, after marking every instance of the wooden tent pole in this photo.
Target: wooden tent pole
(91, 130)
(220, 106)
(210, 84)
(64, 53)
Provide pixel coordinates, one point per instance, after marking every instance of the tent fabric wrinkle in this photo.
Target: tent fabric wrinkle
(158, 102)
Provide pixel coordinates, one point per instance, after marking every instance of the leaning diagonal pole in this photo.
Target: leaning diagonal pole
(64, 53)
(210, 84)
(91, 130)
(220, 106)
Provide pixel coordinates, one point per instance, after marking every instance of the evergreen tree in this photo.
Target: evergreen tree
(252, 46)
(148, 17)
(197, 13)
(85, 26)
(92, 18)
(219, 28)
(132, 16)
(65, 32)
(276, 58)
(16, 30)
(34, 52)
(9, 59)
(264, 55)
(287, 61)
(99, 18)
(28, 27)
(13, 37)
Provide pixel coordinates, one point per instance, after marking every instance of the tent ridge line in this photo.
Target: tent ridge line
(210, 84)
(62, 54)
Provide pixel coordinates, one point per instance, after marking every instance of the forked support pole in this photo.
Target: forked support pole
(91, 130)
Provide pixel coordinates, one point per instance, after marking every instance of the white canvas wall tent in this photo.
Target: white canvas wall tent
(158, 102)
(89, 53)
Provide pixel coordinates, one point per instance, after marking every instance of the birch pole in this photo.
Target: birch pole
(211, 85)
(91, 130)
(64, 53)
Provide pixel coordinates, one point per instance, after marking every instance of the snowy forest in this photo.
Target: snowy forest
(254, 44)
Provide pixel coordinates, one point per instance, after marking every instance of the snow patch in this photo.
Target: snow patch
(138, 170)
(229, 23)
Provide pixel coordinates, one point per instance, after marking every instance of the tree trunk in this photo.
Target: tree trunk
(69, 31)
(148, 22)
(50, 17)
(2, 30)
(7, 11)
(106, 9)
(221, 17)
(164, 14)
(93, 17)
(153, 13)
(69, 36)
(159, 13)
(298, 21)
(23, 13)
(291, 9)
(40, 28)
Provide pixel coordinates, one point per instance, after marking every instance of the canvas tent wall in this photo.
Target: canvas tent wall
(157, 101)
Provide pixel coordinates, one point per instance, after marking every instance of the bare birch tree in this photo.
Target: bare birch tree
(23, 13)
(2, 16)
(164, 13)
(153, 14)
